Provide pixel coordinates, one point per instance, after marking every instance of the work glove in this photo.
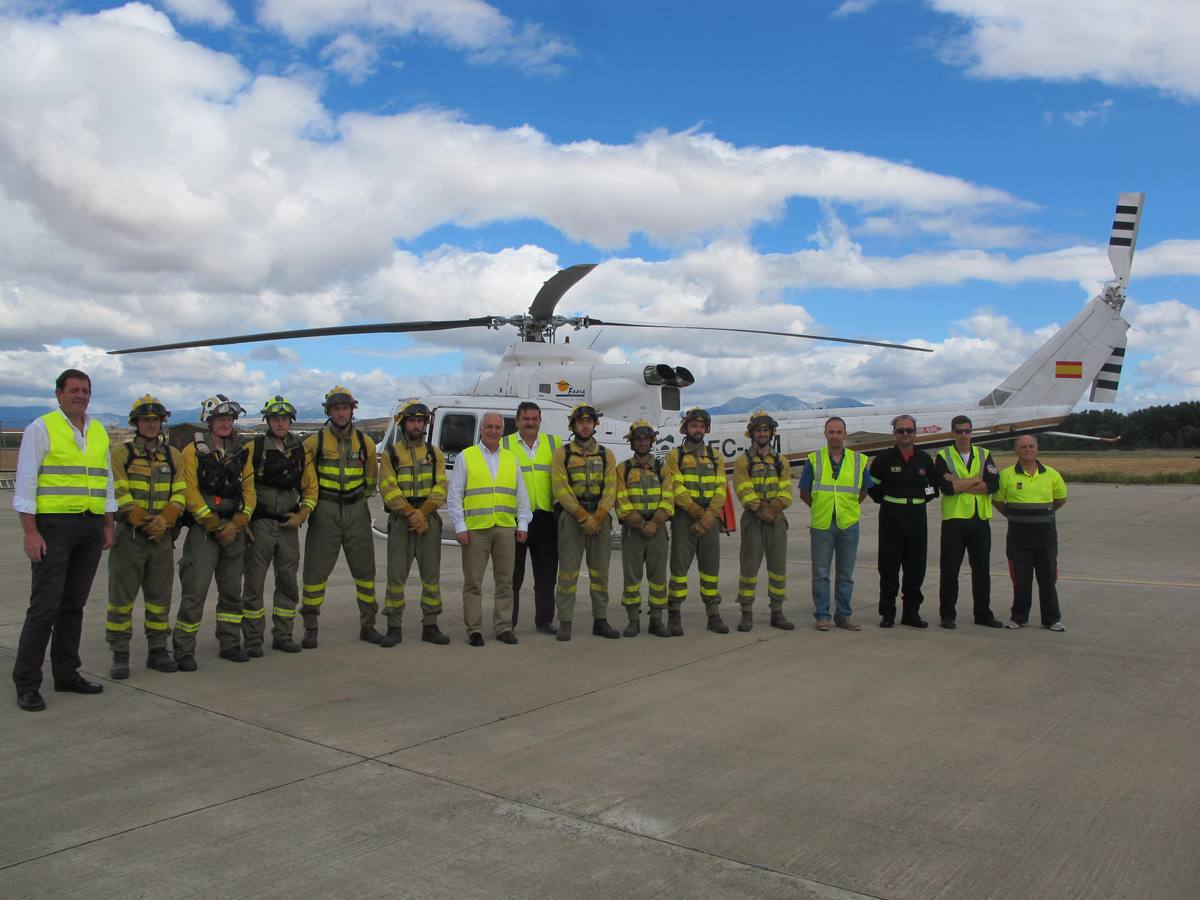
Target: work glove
(296, 519)
(155, 528)
(600, 518)
(211, 523)
(696, 511)
(635, 520)
(589, 526)
(417, 522)
(582, 516)
(709, 520)
(241, 520)
(765, 513)
(776, 509)
(428, 507)
(137, 516)
(171, 513)
(227, 533)
(649, 529)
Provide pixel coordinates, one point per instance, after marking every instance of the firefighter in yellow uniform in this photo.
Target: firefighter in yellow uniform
(219, 494)
(286, 493)
(762, 480)
(698, 478)
(148, 484)
(413, 484)
(343, 459)
(645, 502)
(583, 476)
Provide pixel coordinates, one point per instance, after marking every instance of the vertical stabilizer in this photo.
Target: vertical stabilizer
(1123, 239)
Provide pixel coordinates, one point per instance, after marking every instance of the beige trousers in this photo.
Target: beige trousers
(499, 545)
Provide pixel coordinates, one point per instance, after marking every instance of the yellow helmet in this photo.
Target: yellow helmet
(760, 417)
(581, 410)
(696, 414)
(339, 394)
(412, 409)
(640, 426)
(147, 405)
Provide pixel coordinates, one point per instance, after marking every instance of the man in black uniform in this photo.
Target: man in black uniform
(904, 483)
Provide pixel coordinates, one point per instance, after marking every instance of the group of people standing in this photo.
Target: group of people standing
(509, 498)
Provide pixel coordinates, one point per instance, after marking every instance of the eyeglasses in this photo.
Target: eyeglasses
(962, 430)
(906, 431)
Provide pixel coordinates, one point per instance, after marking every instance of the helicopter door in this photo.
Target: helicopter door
(458, 432)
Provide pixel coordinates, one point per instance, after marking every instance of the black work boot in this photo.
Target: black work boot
(564, 630)
(715, 623)
(120, 666)
(601, 628)
(235, 654)
(674, 622)
(656, 626)
(392, 638)
(160, 661)
(309, 641)
(370, 635)
(433, 634)
(747, 620)
(779, 620)
(287, 645)
(254, 651)
(635, 626)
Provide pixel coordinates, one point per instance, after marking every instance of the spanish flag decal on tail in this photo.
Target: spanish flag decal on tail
(1068, 368)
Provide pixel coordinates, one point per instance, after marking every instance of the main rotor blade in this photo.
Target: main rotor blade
(589, 321)
(382, 328)
(552, 291)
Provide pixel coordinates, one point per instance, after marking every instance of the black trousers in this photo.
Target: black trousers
(542, 545)
(903, 543)
(1026, 563)
(972, 537)
(61, 582)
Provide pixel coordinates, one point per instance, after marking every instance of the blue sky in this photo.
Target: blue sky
(940, 171)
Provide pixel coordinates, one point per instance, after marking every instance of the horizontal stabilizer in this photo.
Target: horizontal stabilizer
(1104, 385)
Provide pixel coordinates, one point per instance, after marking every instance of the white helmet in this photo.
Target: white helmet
(220, 405)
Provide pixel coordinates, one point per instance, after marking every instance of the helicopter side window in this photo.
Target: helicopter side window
(510, 425)
(670, 398)
(458, 433)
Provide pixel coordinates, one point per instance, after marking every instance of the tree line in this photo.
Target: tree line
(1154, 428)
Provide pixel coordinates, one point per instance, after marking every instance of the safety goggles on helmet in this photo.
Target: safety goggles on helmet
(339, 395)
(147, 406)
(583, 411)
(641, 428)
(413, 410)
(220, 405)
(279, 406)
(696, 414)
(759, 419)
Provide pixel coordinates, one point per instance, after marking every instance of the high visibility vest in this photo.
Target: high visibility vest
(965, 506)
(761, 478)
(640, 490)
(414, 472)
(71, 480)
(489, 502)
(841, 493)
(699, 474)
(343, 474)
(153, 476)
(536, 471)
(585, 471)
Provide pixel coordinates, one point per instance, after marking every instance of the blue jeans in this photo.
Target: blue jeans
(823, 545)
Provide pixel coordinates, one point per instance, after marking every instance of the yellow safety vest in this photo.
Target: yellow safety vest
(489, 502)
(536, 471)
(841, 493)
(965, 506)
(153, 476)
(71, 480)
(343, 474)
(699, 475)
(764, 478)
(640, 490)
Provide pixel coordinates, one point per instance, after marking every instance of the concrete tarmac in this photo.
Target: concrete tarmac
(918, 764)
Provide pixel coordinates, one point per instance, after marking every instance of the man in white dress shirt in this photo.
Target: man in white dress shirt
(489, 511)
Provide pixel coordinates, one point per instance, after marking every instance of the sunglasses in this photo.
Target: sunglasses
(962, 430)
(906, 431)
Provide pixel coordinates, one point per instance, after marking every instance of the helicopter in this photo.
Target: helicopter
(1034, 398)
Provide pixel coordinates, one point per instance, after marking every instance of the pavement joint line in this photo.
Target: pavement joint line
(762, 867)
(180, 815)
(1003, 573)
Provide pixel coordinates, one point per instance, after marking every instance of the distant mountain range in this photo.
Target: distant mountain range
(780, 403)
(12, 417)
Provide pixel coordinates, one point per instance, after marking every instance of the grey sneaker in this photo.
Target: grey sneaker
(1057, 626)
(1012, 624)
